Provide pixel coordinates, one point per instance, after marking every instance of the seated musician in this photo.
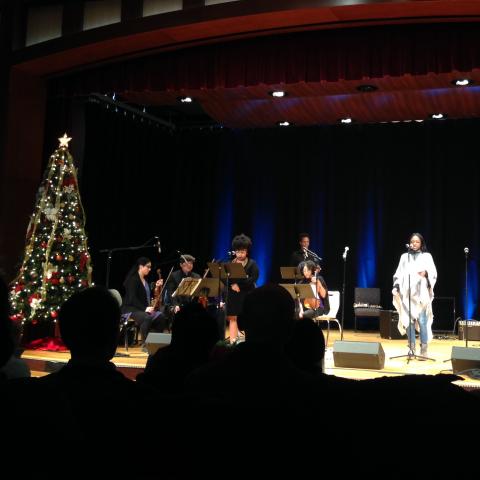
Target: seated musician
(176, 302)
(318, 304)
(138, 298)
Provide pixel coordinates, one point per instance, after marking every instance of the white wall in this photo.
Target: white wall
(101, 12)
(155, 7)
(43, 23)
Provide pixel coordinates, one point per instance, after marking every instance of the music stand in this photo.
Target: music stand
(208, 287)
(186, 287)
(290, 273)
(298, 291)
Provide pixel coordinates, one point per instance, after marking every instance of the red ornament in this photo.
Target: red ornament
(44, 244)
(54, 314)
(70, 279)
(83, 261)
(54, 281)
(68, 181)
(18, 288)
(58, 257)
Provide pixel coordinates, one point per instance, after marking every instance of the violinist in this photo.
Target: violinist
(186, 271)
(318, 304)
(138, 297)
(238, 288)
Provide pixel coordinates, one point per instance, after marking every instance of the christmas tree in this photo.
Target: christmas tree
(56, 262)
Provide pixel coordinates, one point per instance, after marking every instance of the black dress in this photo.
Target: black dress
(235, 299)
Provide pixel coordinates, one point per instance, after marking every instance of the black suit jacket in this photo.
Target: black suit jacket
(135, 295)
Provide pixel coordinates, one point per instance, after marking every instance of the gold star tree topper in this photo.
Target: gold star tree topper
(64, 140)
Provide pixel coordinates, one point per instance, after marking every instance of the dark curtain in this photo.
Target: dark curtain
(140, 180)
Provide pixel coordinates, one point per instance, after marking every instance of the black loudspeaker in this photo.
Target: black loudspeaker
(389, 325)
(473, 330)
(358, 355)
(155, 341)
(464, 358)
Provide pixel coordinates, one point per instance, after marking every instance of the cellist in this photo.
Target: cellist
(318, 304)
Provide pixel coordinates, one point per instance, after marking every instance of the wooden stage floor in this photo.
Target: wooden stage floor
(42, 362)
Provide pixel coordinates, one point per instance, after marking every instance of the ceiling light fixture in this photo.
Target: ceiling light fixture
(462, 82)
(367, 88)
(278, 93)
(438, 116)
(346, 120)
(185, 99)
(284, 124)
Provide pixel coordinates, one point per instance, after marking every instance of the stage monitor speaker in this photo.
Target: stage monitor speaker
(155, 341)
(358, 355)
(465, 358)
(389, 325)
(473, 329)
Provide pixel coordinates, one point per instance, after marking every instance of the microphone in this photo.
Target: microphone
(313, 254)
(408, 246)
(345, 253)
(231, 253)
(157, 243)
(466, 250)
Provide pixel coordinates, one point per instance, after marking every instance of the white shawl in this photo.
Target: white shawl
(421, 288)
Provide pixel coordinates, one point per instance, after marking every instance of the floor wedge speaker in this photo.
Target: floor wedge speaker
(465, 358)
(358, 355)
(155, 341)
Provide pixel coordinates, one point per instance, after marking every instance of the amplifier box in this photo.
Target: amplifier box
(473, 330)
(388, 325)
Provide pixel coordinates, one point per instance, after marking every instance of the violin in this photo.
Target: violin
(156, 302)
(203, 299)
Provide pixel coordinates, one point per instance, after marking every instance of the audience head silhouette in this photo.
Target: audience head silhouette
(268, 315)
(89, 324)
(194, 329)
(306, 347)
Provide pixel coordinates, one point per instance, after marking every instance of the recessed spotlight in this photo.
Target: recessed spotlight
(438, 116)
(278, 93)
(284, 124)
(185, 99)
(367, 88)
(346, 120)
(462, 82)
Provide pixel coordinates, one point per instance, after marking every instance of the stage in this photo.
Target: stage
(133, 362)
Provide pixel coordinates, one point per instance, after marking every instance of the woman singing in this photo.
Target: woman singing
(416, 268)
(238, 288)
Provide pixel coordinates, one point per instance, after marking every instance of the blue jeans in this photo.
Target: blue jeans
(422, 321)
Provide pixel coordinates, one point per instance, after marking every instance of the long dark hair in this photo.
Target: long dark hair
(423, 246)
(140, 261)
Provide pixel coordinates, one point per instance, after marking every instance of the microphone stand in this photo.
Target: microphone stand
(343, 289)
(110, 251)
(466, 297)
(313, 254)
